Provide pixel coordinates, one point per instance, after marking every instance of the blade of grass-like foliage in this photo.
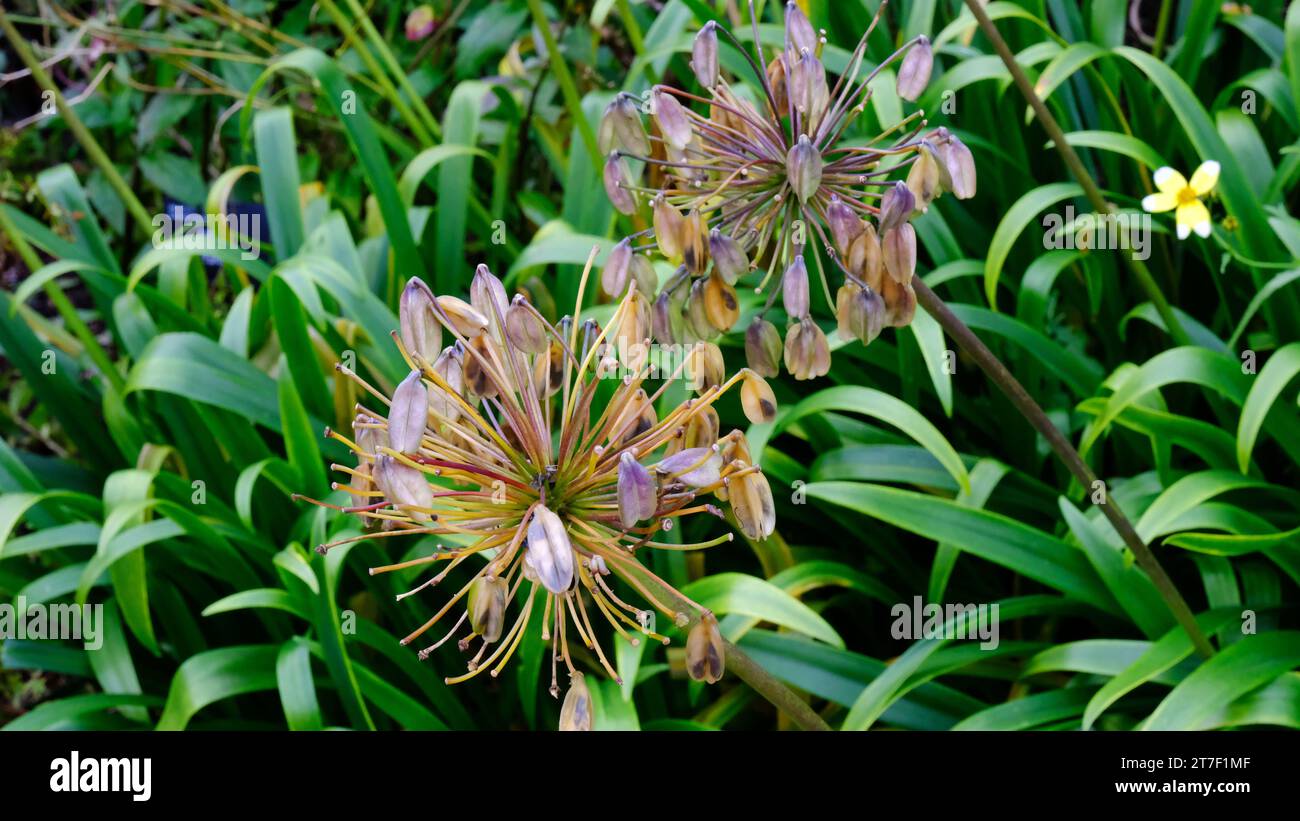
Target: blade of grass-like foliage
(930, 341)
(67, 713)
(300, 360)
(297, 689)
(1207, 441)
(455, 185)
(1013, 224)
(1276, 704)
(1278, 372)
(335, 89)
(983, 480)
(1125, 144)
(197, 368)
(124, 491)
(839, 676)
(215, 675)
(873, 403)
(760, 599)
(277, 162)
(1079, 372)
(347, 676)
(1130, 587)
(1189, 492)
(52, 377)
(990, 536)
(1250, 663)
(114, 669)
(424, 163)
(1102, 657)
(1031, 711)
(1172, 648)
(269, 598)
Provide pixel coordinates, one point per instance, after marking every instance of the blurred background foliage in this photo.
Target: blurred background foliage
(161, 404)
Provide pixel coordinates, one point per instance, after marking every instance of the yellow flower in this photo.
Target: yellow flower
(1176, 192)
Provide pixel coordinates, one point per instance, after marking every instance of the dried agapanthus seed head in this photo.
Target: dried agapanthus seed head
(546, 478)
(420, 329)
(774, 165)
(794, 289)
(756, 398)
(575, 713)
(914, 73)
(763, 348)
(704, 651)
(704, 55)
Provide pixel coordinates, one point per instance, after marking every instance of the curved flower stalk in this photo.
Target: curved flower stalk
(504, 442)
(746, 180)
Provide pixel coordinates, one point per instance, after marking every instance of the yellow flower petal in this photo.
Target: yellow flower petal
(1155, 203)
(1205, 178)
(1193, 216)
(1168, 180)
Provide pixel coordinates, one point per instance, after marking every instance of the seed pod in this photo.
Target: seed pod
(674, 123)
(808, 86)
(643, 274)
(662, 320)
(450, 367)
(621, 127)
(478, 379)
(616, 184)
(704, 55)
(861, 313)
(575, 713)
(420, 329)
(636, 491)
(701, 429)
(777, 80)
(668, 228)
(900, 300)
(487, 606)
(549, 550)
(734, 447)
(468, 321)
(763, 348)
(524, 328)
(706, 366)
(408, 414)
(637, 418)
(960, 165)
(694, 467)
(900, 252)
(729, 260)
(807, 353)
(693, 235)
(697, 324)
(367, 437)
(548, 370)
(720, 303)
(924, 177)
(613, 277)
(757, 399)
(799, 33)
(794, 288)
(704, 653)
(488, 295)
(914, 73)
(804, 169)
(404, 487)
(865, 257)
(896, 206)
(844, 223)
(751, 502)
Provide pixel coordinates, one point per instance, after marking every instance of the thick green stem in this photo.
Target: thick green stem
(1162, 28)
(77, 127)
(1028, 408)
(562, 76)
(780, 696)
(1090, 189)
